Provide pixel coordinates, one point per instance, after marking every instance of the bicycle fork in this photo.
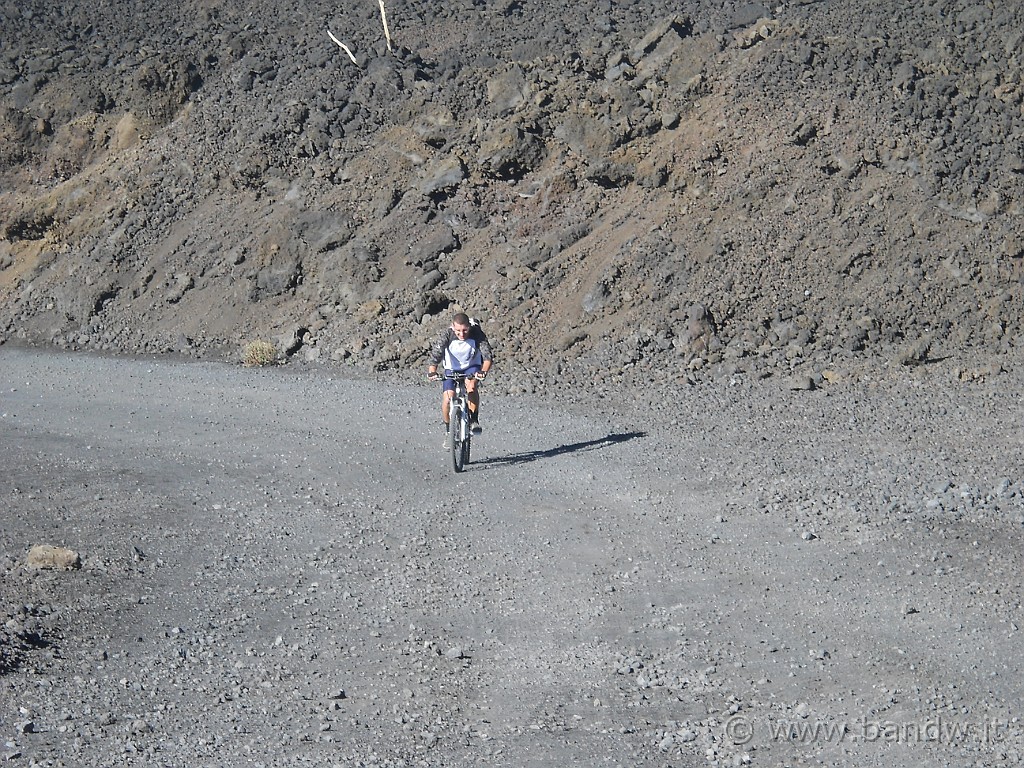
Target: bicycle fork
(458, 414)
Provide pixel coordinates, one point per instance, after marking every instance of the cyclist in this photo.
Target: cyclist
(462, 348)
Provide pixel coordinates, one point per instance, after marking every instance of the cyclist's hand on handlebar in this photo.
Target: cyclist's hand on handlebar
(480, 375)
(433, 376)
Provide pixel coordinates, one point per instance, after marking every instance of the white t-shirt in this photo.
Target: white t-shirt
(461, 354)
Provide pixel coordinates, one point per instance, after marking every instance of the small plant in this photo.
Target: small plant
(259, 353)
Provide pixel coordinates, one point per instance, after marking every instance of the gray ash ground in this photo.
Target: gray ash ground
(280, 568)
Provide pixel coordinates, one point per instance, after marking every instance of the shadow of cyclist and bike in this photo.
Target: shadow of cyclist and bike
(561, 450)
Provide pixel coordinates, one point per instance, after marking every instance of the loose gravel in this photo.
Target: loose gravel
(278, 567)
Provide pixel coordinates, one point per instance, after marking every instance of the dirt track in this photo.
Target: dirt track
(279, 568)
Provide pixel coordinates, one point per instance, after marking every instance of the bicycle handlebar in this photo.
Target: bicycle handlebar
(454, 377)
(451, 376)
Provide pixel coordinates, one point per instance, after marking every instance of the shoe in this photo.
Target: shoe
(475, 428)
(447, 440)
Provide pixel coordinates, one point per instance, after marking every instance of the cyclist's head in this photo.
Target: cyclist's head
(460, 324)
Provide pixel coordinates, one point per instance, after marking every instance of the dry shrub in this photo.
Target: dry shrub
(259, 353)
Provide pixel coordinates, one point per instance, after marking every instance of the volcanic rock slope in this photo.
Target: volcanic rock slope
(704, 189)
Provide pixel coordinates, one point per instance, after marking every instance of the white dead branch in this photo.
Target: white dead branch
(344, 47)
(384, 19)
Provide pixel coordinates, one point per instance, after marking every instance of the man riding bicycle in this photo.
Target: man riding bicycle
(463, 348)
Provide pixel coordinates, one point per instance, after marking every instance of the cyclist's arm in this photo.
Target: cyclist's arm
(484, 347)
(437, 351)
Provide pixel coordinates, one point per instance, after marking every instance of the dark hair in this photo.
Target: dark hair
(461, 318)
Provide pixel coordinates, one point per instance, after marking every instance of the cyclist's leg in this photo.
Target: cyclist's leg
(473, 394)
(448, 387)
(474, 400)
(446, 398)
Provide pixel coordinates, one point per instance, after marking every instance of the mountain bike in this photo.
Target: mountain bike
(459, 432)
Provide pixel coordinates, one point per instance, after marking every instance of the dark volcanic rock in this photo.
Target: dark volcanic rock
(853, 170)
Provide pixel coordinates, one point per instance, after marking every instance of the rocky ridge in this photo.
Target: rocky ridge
(687, 190)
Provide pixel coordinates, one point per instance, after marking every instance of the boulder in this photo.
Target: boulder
(49, 557)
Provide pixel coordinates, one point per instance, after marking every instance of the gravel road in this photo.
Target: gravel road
(279, 568)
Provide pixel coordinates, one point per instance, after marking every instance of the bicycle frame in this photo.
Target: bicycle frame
(458, 421)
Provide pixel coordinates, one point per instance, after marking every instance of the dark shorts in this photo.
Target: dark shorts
(449, 385)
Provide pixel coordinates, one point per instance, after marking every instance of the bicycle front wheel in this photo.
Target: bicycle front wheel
(455, 431)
